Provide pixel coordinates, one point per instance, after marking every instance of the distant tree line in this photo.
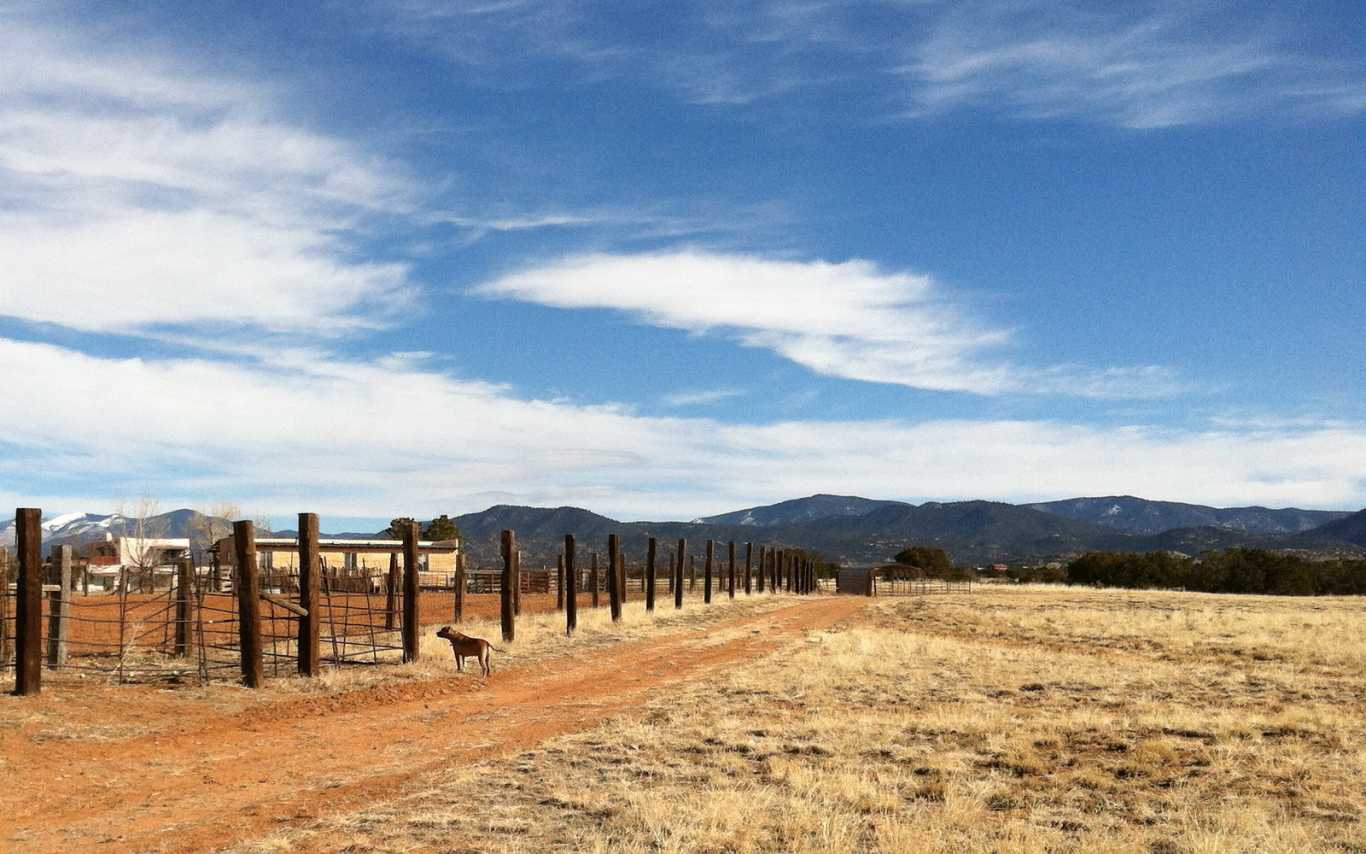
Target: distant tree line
(1237, 570)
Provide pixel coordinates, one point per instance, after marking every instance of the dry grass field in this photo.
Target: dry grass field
(1012, 719)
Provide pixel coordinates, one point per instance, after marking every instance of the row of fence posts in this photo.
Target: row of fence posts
(778, 569)
(783, 569)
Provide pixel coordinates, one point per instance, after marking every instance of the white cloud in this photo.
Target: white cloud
(848, 319)
(388, 437)
(701, 397)
(139, 192)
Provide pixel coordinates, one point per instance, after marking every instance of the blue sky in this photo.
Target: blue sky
(417, 257)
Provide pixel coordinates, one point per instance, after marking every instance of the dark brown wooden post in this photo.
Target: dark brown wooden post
(458, 599)
(613, 581)
(248, 603)
(749, 568)
(517, 583)
(28, 605)
(593, 580)
(650, 575)
(412, 591)
(391, 588)
(706, 572)
(571, 600)
(678, 574)
(730, 571)
(559, 583)
(184, 590)
(4, 608)
(509, 579)
(310, 622)
(59, 607)
(759, 580)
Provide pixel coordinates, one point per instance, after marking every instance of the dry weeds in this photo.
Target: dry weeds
(1041, 719)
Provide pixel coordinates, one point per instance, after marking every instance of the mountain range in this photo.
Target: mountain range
(846, 529)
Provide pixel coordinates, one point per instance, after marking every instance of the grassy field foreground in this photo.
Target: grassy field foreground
(1006, 720)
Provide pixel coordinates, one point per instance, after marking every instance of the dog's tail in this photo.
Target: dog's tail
(494, 648)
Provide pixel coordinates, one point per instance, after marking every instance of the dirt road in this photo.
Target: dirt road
(223, 777)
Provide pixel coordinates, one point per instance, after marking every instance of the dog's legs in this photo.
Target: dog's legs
(460, 663)
(487, 661)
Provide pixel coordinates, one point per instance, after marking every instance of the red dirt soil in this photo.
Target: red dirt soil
(206, 778)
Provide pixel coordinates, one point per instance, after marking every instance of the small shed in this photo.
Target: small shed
(856, 582)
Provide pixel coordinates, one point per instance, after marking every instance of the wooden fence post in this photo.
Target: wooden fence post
(621, 575)
(28, 605)
(28, 612)
(310, 623)
(391, 587)
(593, 580)
(678, 575)
(571, 601)
(509, 578)
(706, 572)
(4, 608)
(730, 571)
(759, 581)
(458, 599)
(749, 568)
(650, 575)
(248, 603)
(559, 583)
(59, 607)
(412, 591)
(184, 592)
(613, 581)
(517, 583)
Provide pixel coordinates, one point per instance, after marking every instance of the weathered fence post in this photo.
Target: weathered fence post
(4, 608)
(248, 603)
(59, 607)
(650, 575)
(759, 580)
(184, 593)
(593, 580)
(310, 622)
(458, 599)
(559, 583)
(749, 568)
(509, 578)
(571, 600)
(517, 583)
(678, 575)
(28, 605)
(706, 572)
(613, 581)
(730, 571)
(412, 591)
(391, 586)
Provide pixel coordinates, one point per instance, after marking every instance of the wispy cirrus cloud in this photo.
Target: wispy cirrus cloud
(1160, 63)
(701, 397)
(849, 319)
(1138, 66)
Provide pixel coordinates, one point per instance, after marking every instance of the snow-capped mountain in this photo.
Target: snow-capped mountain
(78, 528)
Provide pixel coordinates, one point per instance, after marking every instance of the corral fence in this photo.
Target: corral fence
(240, 620)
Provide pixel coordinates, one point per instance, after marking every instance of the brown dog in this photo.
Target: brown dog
(463, 645)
